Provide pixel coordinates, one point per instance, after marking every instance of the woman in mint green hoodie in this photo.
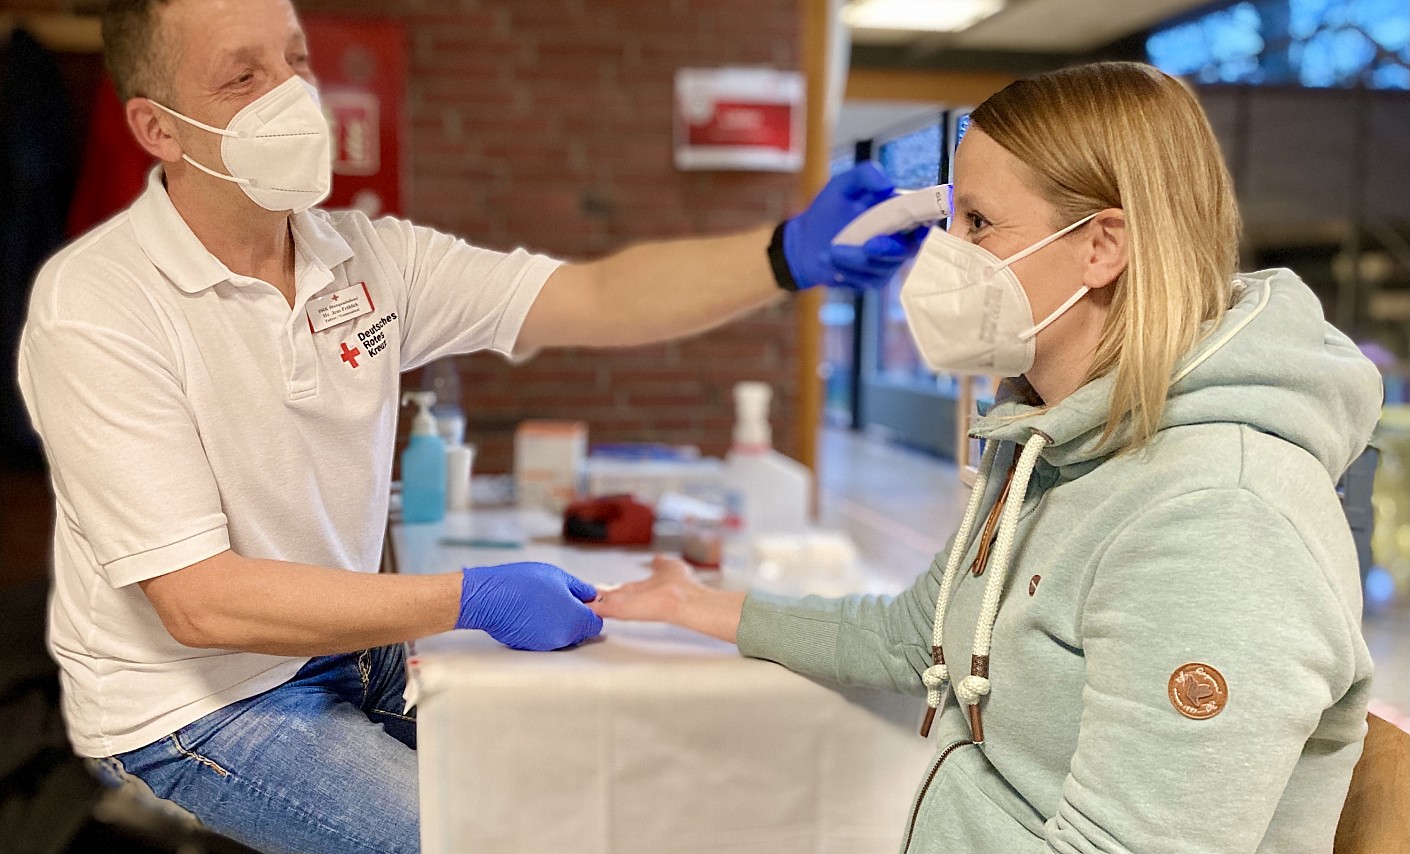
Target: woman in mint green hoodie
(1145, 636)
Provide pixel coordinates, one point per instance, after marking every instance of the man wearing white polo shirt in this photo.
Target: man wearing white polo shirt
(214, 373)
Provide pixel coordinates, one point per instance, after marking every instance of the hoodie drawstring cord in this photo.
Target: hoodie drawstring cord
(936, 675)
(974, 686)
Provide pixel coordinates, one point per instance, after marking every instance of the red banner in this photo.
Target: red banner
(361, 66)
(762, 125)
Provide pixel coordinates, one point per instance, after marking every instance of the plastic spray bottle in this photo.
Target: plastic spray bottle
(423, 464)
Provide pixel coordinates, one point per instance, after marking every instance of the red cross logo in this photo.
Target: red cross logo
(350, 356)
(335, 298)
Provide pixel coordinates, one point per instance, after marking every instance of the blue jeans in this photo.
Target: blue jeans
(326, 762)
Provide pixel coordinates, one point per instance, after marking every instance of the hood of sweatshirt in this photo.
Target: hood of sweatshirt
(1271, 362)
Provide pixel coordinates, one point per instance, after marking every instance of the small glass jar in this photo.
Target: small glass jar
(703, 543)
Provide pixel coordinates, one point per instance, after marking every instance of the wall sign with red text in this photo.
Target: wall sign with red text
(739, 118)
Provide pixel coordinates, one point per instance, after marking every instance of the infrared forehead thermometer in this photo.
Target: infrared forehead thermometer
(902, 212)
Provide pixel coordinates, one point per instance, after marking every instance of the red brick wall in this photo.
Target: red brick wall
(547, 124)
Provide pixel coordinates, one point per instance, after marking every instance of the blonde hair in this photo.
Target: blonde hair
(1126, 135)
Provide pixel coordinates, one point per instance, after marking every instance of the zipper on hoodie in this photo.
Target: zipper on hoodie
(920, 798)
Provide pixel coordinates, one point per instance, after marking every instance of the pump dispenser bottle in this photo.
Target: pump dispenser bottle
(423, 464)
(775, 491)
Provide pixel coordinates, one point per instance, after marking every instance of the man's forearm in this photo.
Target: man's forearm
(279, 608)
(669, 290)
(653, 292)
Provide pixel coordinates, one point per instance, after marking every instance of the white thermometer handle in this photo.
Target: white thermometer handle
(901, 212)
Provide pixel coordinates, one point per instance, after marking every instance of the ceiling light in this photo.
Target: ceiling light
(939, 16)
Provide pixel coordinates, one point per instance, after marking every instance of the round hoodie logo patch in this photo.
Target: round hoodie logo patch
(1198, 691)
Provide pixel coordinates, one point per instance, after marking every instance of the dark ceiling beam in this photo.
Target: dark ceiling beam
(904, 56)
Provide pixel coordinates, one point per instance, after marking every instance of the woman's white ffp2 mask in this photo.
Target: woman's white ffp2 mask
(276, 148)
(967, 310)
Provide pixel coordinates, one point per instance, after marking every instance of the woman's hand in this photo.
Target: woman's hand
(658, 599)
(672, 595)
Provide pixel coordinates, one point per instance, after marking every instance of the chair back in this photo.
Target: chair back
(1376, 818)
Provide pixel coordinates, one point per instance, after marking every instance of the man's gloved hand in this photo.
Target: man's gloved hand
(807, 238)
(528, 605)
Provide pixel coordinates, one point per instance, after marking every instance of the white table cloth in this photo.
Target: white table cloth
(651, 740)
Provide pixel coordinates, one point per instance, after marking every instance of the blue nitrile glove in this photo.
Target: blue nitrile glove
(806, 239)
(527, 605)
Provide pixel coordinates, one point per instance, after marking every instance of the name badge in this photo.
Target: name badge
(339, 307)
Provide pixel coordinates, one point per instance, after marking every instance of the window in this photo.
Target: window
(1314, 43)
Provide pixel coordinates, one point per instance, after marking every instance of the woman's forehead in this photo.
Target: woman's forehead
(979, 162)
(987, 172)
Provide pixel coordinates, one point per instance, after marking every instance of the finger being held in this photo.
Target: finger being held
(602, 606)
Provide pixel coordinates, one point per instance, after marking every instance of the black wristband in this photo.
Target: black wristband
(779, 262)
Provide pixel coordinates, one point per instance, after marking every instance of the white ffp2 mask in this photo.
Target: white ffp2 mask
(276, 148)
(967, 310)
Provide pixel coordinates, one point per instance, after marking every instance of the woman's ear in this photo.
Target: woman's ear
(1108, 248)
(149, 126)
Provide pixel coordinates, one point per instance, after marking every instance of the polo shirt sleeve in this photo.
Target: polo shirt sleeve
(124, 452)
(460, 298)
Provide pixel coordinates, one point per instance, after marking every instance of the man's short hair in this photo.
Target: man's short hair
(137, 52)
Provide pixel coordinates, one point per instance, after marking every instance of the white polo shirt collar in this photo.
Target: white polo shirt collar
(169, 243)
(318, 237)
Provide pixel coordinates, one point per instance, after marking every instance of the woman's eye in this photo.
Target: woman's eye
(976, 222)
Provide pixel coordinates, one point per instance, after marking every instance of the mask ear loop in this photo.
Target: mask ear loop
(1030, 334)
(202, 125)
(215, 130)
(1019, 256)
(221, 175)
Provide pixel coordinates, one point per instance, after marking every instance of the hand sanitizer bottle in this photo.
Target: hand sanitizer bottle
(423, 464)
(776, 492)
